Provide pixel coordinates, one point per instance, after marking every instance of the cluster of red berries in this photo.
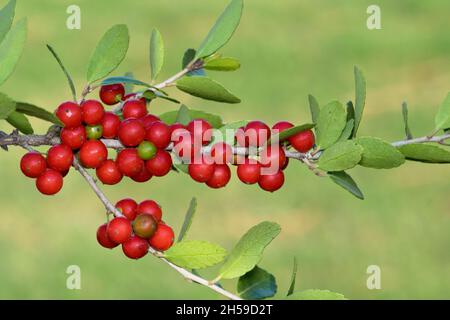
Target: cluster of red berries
(139, 229)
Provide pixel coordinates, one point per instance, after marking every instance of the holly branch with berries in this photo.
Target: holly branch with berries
(114, 137)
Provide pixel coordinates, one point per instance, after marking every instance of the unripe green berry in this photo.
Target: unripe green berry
(146, 150)
(94, 132)
(144, 225)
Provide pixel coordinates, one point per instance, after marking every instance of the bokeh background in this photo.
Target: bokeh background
(288, 49)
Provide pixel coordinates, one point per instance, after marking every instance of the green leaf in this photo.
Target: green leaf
(37, 112)
(350, 111)
(425, 153)
(340, 156)
(6, 18)
(183, 116)
(442, 120)
(360, 97)
(347, 133)
(314, 108)
(11, 49)
(156, 53)
(222, 64)
(188, 219)
(227, 132)
(124, 80)
(293, 277)
(19, 121)
(195, 254)
(341, 178)
(330, 124)
(188, 57)
(405, 121)
(170, 117)
(66, 73)
(206, 88)
(256, 284)
(248, 251)
(109, 53)
(129, 86)
(379, 154)
(7, 106)
(166, 97)
(316, 294)
(285, 134)
(222, 30)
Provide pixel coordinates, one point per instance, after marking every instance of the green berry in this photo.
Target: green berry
(146, 150)
(94, 132)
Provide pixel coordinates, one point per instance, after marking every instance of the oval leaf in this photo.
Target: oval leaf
(195, 254)
(330, 124)
(257, 284)
(37, 112)
(156, 53)
(442, 120)
(66, 73)
(341, 178)
(222, 64)
(360, 97)
(222, 30)
(206, 88)
(248, 251)
(347, 133)
(379, 154)
(11, 49)
(341, 156)
(109, 53)
(7, 106)
(188, 219)
(171, 117)
(6, 18)
(313, 108)
(425, 153)
(316, 294)
(19, 121)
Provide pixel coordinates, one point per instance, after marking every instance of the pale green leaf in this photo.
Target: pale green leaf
(37, 112)
(189, 217)
(316, 294)
(206, 88)
(347, 132)
(442, 120)
(11, 49)
(222, 64)
(330, 124)
(293, 277)
(6, 18)
(124, 80)
(360, 97)
(257, 284)
(195, 254)
(313, 108)
(379, 154)
(248, 251)
(340, 156)
(7, 106)
(156, 53)
(109, 53)
(222, 30)
(343, 179)
(20, 121)
(425, 153)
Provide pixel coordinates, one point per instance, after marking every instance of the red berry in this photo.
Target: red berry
(302, 141)
(129, 162)
(159, 133)
(273, 156)
(221, 153)
(163, 238)
(174, 127)
(249, 172)
(148, 120)
(103, 239)
(201, 172)
(134, 109)
(282, 126)
(160, 164)
(73, 137)
(60, 158)
(132, 96)
(33, 164)
(111, 94)
(70, 114)
(50, 182)
(131, 132)
(143, 176)
(285, 165)
(200, 129)
(93, 112)
(108, 172)
(144, 225)
(220, 177)
(93, 153)
(184, 145)
(128, 208)
(119, 229)
(150, 207)
(110, 124)
(135, 247)
(255, 134)
(271, 182)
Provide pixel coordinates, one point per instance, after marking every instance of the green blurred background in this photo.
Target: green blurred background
(288, 49)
